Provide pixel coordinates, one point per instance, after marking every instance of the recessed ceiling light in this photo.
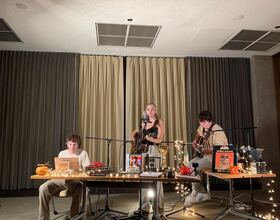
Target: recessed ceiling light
(21, 5)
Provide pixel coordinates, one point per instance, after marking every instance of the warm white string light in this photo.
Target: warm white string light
(271, 191)
(181, 188)
(179, 146)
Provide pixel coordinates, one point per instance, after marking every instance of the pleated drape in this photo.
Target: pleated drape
(222, 86)
(45, 96)
(101, 108)
(38, 97)
(161, 81)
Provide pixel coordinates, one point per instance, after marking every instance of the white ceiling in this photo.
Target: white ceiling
(188, 27)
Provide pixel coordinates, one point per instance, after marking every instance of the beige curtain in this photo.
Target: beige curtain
(101, 107)
(161, 81)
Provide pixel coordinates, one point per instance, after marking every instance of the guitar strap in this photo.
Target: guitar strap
(208, 132)
(205, 137)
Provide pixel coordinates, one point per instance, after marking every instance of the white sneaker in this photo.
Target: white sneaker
(134, 212)
(191, 199)
(194, 193)
(202, 197)
(145, 210)
(146, 207)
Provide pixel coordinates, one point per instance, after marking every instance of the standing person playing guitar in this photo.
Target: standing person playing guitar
(208, 134)
(145, 140)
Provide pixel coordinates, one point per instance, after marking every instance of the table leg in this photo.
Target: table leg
(155, 201)
(252, 198)
(227, 210)
(231, 202)
(223, 213)
(207, 183)
(231, 210)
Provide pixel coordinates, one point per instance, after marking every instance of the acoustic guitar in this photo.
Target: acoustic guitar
(137, 146)
(201, 144)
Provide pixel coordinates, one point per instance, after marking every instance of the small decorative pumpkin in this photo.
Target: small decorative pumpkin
(234, 170)
(42, 170)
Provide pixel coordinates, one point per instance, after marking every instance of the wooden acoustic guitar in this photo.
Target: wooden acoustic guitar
(201, 144)
(137, 146)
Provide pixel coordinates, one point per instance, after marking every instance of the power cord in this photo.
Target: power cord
(171, 205)
(267, 202)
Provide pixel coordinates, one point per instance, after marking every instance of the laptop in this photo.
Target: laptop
(66, 163)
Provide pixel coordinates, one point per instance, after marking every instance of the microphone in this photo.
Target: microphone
(145, 118)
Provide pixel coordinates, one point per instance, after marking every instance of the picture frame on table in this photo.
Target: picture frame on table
(134, 163)
(224, 156)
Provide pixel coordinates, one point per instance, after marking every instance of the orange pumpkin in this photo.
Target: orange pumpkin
(42, 170)
(234, 169)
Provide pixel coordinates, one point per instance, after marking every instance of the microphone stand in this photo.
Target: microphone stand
(107, 207)
(109, 141)
(245, 130)
(173, 142)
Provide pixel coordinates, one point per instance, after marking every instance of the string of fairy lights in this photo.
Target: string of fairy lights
(245, 156)
(271, 215)
(183, 190)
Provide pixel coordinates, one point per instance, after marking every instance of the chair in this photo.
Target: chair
(61, 194)
(64, 194)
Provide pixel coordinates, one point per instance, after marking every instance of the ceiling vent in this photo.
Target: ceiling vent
(123, 35)
(253, 40)
(6, 33)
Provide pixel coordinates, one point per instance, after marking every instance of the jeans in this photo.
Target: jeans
(204, 162)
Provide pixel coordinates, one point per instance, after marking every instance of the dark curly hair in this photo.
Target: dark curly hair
(205, 116)
(74, 138)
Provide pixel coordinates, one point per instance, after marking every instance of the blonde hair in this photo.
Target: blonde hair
(153, 104)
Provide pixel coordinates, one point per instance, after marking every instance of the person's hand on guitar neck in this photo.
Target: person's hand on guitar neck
(201, 145)
(197, 147)
(196, 141)
(194, 145)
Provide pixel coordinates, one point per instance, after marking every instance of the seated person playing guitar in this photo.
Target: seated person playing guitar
(208, 134)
